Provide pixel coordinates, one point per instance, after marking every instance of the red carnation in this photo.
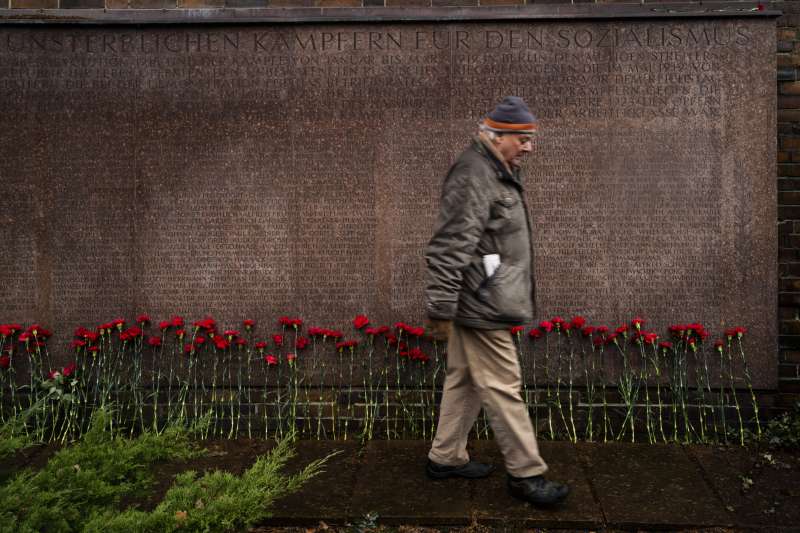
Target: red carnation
(94, 349)
(360, 321)
(290, 322)
(315, 331)
(371, 331)
(189, 348)
(622, 329)
(291, 357)
(401, 326)
(154, 341)
(261, 345)
(383, 329)
(601, 330)
(301, 343)
(23, 337)
(124, 336)
(612, 338)
(598, 341)
(53, 374)
(118, 323)
(207, 324)
(5, 361)
(418, 355)
(650, 338)
(5, 331)
(76, 344)
(199, 340)
(270, 359)
(677, 330)
(164, 324)
(665, 345)
(346, 344)
(718, 345)
(177, 322)
(416, 332)
(134, 332)
(637, 322)
(740, 331)
(277, 339)
(248, 324)
(180, 333)
(143, 319)
(578, 322)
(334, 334)
(221, 343)
(230, 333)
(516, 330)
(68, 370)
(546, 325)
(535, 333)
(241, 341)
(587, 331)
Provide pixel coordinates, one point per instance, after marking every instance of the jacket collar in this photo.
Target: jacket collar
(483, 145)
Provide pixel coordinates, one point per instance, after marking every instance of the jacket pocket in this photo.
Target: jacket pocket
(474, 275)
(506, 294)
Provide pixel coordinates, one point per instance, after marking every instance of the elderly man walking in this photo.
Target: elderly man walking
(480, 283)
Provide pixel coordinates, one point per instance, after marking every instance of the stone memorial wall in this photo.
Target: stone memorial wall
(253, 171)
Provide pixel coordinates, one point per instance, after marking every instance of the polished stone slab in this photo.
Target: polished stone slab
(393, 484)
(494, 506)
(651, 485)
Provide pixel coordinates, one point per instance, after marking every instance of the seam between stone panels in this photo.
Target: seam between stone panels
(583, 460)
(707, 480)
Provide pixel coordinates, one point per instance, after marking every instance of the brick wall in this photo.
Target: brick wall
(788, 76)
(788, 87)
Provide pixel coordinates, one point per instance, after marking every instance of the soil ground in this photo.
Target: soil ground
(381, 486)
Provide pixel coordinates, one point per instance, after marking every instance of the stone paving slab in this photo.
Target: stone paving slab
(494, 506)
(327, 496)
(393, 484)
(615, 486)
(651, 486)
(773, 498)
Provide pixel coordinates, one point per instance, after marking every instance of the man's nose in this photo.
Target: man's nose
(527, 146)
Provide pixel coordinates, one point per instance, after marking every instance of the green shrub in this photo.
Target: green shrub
(87, 478)
(784, 431)
(216, 501)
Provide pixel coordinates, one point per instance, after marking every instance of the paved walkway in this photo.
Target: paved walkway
(614, 486)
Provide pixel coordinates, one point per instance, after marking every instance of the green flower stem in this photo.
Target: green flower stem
(571, 359)
(644, 377)
(657, 373)
(749, 382)
(547, 386)
(707, 377)
(701, 408)
(735, 397)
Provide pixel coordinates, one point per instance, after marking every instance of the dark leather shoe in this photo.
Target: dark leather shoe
(470, 470)
(537, 490)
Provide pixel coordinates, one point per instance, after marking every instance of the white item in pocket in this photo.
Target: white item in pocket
(490, 264)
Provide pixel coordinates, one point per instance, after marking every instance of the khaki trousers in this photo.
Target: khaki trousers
(483, 370)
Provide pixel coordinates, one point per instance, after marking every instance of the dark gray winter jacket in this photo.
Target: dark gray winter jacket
(482, 211)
